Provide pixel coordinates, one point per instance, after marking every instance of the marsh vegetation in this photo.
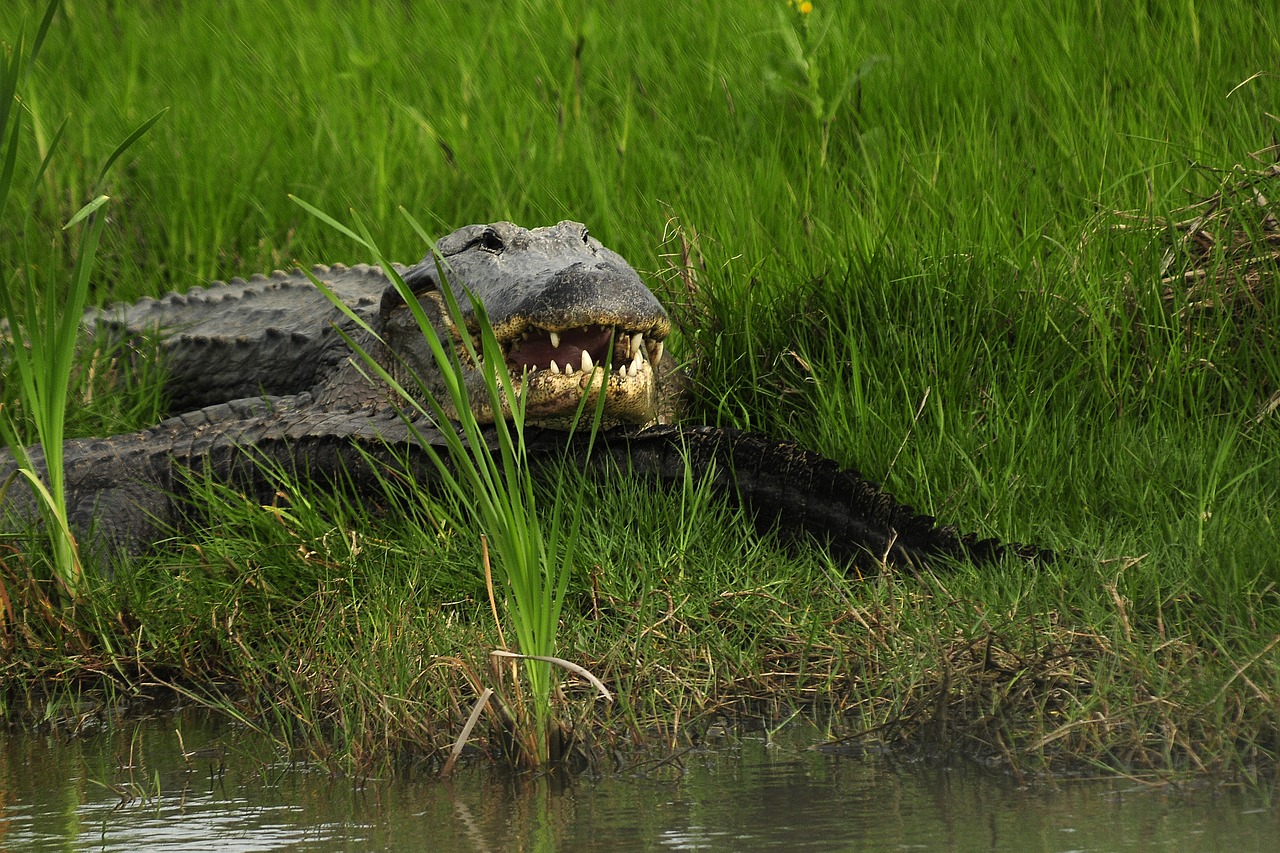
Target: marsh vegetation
(1016, 262)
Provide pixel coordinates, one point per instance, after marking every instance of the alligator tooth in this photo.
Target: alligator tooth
(555, 368)
(622, 371)
(636, 362)
(657, 354)
(637, 341)
(587, 364)
(555, 340)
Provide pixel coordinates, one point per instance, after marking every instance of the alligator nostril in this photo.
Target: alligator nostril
(491, 242)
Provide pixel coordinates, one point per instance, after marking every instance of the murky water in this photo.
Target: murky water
(131, 789)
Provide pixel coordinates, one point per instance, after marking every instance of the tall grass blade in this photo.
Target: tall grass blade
(86, 211)
(488, 469)
(43, 361)
(128, 142)
(41, 32)
(54, 142)
(10, 132)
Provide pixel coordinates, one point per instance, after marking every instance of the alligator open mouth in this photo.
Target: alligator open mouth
(553, 369)
(584, 348)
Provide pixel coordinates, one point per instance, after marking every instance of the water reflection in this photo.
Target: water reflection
(134, 788)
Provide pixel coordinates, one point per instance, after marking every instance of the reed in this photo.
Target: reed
(44, 320)
(488, 472)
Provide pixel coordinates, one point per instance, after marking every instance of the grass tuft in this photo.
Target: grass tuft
(534, 544)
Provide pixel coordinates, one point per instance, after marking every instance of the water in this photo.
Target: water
(130, 788)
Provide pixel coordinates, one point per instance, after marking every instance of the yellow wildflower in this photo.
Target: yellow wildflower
(805, 7)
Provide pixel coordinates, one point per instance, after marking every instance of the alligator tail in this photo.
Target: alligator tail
(798, 491)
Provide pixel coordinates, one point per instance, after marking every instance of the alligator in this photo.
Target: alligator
(264, 376)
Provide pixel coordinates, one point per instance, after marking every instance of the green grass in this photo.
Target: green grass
(533, 543)
(44, 319)
(928, 284)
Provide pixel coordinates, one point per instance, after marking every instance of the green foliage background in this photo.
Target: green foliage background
(888, 230)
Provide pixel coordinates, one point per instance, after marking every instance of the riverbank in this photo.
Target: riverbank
(942, 249)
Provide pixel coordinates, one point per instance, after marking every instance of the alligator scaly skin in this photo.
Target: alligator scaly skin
(272, 388)
(130, 490)
(271, 335)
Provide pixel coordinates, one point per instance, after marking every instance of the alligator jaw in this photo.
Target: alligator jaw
(551, 370)
(555, 369)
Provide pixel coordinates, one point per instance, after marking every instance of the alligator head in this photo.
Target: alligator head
(572, 318)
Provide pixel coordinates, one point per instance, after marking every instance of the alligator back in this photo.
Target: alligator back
(243, 338)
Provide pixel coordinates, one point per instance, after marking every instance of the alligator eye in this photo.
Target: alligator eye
(490, 241)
